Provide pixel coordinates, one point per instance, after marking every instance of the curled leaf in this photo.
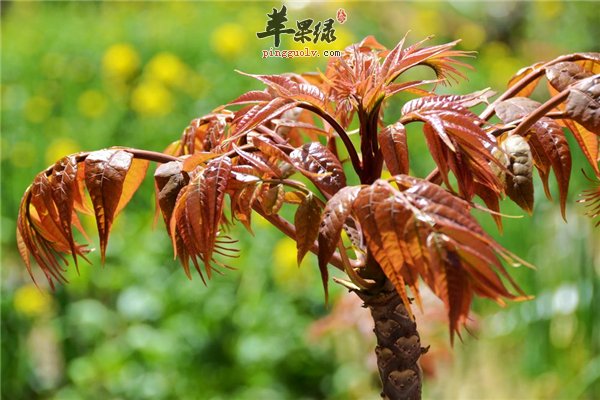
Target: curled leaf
(519, 183)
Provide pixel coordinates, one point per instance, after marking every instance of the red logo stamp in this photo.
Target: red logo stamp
(341, 15)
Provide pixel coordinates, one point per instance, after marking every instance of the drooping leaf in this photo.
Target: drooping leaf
(307, 220)
(169, 179)
(321, 166)
(392, 141)
(212, 194)
(391, 216)
(491, 200)
(336, 211)
(105, 173)
(63, 184)
(583, 103)
(365, 205)
(549, 142)
(563, 74)
(456, 141)
(452, 283)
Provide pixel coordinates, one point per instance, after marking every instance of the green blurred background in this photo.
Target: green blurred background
(88, 75)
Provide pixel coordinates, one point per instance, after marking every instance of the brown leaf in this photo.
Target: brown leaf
(261, 113)
(259, 162)
(320, 165)
(273, 200)
(64, 186)
(307, 220)
(550, 144)
(515, 108)
(583, 103)
(336, 211)
(212, 194)
(563, 74)
(391, 216)
(105, 173)
(169, 179)
(365, 205)
(491, 200)
(392, 141)
(452, 283)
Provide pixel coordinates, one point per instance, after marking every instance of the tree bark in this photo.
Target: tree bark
(398, 345)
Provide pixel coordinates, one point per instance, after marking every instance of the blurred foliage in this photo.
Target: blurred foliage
(81, 76)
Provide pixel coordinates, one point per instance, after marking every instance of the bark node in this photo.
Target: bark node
(398, 346)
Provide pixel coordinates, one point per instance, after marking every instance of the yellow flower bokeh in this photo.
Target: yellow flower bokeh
(92, 103)
(120, 61)
(168, 69)
(472, 35)
(229, 40)
(30, 301)
(285, 267)
(151, 98)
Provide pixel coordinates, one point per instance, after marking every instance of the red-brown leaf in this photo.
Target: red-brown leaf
(169, 179)
(321, 166)
(392, 141)
(366, 203)
(564, 74)
(515, 108)
(212, 194)
(105, 173)
(583, 103)
(307, 220)
(548, 140)
(260, 114)
(452, 283)
(337, 209)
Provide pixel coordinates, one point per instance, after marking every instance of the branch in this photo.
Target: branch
(513, 90)
(141, 154)
(540, 112)
(341, 133)
(289, 229)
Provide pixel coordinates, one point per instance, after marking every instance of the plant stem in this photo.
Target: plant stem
(541, 111)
